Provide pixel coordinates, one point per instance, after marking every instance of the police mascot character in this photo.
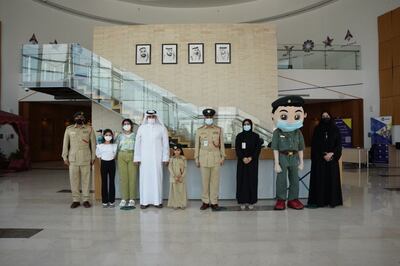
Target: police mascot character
(288, 145)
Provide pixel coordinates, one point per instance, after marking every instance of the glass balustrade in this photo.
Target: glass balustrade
(292, 56)
(72, 66)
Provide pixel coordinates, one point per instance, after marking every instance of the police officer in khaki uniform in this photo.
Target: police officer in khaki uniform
(209, 155)
(79, 153)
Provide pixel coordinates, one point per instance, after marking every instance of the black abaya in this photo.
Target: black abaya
(247, 174)
(325, 185)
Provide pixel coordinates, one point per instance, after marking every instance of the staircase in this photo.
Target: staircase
(69, 71)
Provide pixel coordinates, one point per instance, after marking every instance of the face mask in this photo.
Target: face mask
(126, 127)
(208, 121)
(79, 121)
(326, 120)
(288, 127)
(246, 127)
(108, 138)
(152, 120)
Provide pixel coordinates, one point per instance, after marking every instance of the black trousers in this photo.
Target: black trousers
(107, 169)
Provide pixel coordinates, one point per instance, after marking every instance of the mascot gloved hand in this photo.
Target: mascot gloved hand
(288, 145)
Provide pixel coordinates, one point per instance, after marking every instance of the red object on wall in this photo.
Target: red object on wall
(21, 127)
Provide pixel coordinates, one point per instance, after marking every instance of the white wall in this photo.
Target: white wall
(20, 19)
(360, 17)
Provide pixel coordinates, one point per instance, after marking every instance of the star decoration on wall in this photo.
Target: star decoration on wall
(328, 42)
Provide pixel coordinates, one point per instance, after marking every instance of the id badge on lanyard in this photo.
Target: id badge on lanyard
(243, 145)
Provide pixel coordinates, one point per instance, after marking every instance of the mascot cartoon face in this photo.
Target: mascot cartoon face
(288, 113)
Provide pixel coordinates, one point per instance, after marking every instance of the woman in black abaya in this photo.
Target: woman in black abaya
(326, 150)
(248, 146)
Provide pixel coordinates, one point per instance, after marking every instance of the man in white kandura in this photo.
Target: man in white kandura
(151, 151)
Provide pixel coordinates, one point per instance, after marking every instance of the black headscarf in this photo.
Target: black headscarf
(326, 137)
(251, 124)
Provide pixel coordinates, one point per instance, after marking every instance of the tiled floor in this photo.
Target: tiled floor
(365, 231)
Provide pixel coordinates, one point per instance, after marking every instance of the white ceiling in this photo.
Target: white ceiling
(185, 11)
(186, 3)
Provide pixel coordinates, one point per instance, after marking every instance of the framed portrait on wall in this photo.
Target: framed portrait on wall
(195, 53)
(222, 53)
(143, 54)
(169, 54)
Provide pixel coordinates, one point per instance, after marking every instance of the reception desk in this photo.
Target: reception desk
(266, 177)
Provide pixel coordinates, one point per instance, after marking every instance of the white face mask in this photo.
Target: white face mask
(108, 138)
(208, 121)
(152, 120)
(127, 127)
(246, 127)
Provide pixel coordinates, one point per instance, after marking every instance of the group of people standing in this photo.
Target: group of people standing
(146, 151)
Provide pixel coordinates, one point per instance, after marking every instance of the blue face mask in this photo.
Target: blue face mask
(289, 127)
(246, 127)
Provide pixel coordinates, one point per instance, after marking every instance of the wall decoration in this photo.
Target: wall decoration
(308, 46)
(222, 53)
(328, 42)
(289, 50)
(169, 54)
(33, 39)
(195, 53)
(143, 54)
(348, 36)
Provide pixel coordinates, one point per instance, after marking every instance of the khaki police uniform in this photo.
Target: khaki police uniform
(288, 144)
(209, 151)
(79, 148)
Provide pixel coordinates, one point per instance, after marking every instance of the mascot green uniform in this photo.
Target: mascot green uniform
(288, 145)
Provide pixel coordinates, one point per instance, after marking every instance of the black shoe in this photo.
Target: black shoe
(158, 206)
(215, 207)
(75, 204)
(205, 206)
(144, 206)
(86, 204)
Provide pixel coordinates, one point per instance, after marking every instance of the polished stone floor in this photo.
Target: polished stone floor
(365, 231)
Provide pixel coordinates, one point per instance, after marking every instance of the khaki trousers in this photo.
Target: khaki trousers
(210, 179)
(80, 175)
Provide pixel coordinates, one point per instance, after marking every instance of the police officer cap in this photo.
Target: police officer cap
(151, 112)
(208, 112)
(79, 113)
(291, 100)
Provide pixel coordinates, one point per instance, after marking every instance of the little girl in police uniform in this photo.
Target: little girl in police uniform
(177, 189)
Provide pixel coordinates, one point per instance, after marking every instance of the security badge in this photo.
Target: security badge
(243, 145)
(205, 142)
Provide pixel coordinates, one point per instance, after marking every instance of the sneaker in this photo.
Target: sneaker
(105, 205)
(144, 206)
(159, 206)
(111, 204)
(280, 205)
(242, 207)
(131, 203)
(251, 207)
(295, 204)
(122, 203)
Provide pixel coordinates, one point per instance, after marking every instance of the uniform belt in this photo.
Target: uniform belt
(288, 153)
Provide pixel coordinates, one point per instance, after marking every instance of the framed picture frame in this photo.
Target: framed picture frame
(169, 53)
(222, 53)
(196, 53)
(143, 54)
